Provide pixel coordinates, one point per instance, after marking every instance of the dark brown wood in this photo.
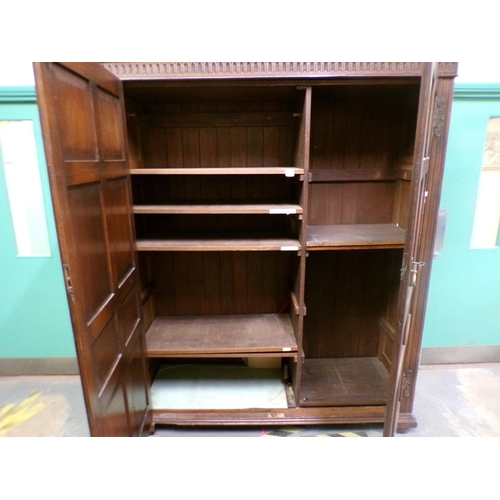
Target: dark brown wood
(351, 203)
(226, 157)
(216, 243)
(82, 115)
(222, 170)
(226, 208)
(241, 119)
(339, 415)
(237, 335)
(354, 236)
(352, 174)
(343, 382)
(444, 99)
(206, 283)
(347, 292)
(415, 250)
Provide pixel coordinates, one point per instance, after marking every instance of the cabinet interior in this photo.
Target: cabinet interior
(270, 222)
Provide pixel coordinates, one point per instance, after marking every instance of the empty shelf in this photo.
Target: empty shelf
(287, 171)
(244, 241)
(192, 336)
(353, 236)
(221, 208)
(343, 382)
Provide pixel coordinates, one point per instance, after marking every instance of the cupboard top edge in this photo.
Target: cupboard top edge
(239, 70)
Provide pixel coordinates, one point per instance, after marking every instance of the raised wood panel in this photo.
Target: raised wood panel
(94, 288)
(113, 422)
(82, 116)
(78, 137)
(118, 226)
(109, 116)
(128, 318)
(136, 392)
(105, 351)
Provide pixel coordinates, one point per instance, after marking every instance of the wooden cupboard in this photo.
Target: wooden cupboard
(246, 226)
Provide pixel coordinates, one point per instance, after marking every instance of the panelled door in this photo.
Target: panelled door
(82, 113)
(412, 257)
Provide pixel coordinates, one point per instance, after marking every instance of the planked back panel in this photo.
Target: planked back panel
(347, 293)
(366, 129)
(218, 134)
(216, 283)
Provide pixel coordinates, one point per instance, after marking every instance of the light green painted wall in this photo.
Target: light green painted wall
(464, 298)
(34, 313)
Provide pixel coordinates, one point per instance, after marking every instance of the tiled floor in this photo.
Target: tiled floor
(451, 401)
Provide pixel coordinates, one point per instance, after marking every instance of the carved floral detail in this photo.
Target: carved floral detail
(439, 117)
(407, 383)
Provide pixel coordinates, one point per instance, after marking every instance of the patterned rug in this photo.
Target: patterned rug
(305, 432)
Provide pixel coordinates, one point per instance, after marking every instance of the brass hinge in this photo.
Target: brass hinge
(67, 280)
(415, 266)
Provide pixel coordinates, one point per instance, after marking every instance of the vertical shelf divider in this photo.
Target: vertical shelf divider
(302, 161)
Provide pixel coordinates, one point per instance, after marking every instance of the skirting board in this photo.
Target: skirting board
(459, 355)
(38, 366)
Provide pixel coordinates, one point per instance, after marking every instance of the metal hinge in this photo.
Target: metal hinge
(67, 280)
(415, 266)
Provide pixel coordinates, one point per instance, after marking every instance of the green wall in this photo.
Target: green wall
(464, 299)
(34, 313)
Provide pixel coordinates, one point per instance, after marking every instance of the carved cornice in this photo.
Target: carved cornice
(226, 70)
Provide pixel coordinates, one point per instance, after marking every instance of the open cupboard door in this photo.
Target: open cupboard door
(413, 257)
(83, 122)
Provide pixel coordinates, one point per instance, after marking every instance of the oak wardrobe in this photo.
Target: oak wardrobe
(246, 243)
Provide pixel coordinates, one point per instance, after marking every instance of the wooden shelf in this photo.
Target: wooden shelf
(355, 236)
(197, 242)
(256, 208)
(222, 336)
(287, 171)
(343, 382)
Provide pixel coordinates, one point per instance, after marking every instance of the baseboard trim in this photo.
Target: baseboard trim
(39, 366)
(459, 355)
